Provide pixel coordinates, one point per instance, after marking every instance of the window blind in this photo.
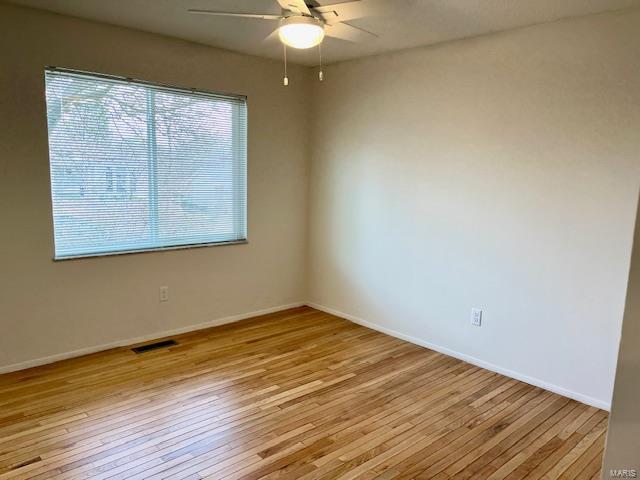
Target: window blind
(136, 166)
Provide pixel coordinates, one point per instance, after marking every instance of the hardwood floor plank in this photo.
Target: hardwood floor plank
(298, 394)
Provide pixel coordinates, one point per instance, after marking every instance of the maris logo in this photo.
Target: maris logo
(623, 473)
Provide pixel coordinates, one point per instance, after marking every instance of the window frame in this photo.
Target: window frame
(161, 87)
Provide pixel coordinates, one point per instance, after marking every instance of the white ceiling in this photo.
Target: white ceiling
(398, 23)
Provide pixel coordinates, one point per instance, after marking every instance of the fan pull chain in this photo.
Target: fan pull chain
(321, 73)
(285, 82)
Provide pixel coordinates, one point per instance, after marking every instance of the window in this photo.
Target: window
(140, 167)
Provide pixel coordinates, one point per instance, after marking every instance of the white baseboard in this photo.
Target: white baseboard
(394, 333)
(145, 338)
(595, 402)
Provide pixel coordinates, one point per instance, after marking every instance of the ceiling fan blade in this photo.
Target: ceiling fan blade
(232, 14)
(295, 6)
(347, 32)
(342, 12)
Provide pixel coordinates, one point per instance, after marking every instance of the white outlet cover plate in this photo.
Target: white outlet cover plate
(164, 294)
(476, 317)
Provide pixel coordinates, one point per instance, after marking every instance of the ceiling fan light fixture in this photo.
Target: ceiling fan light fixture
(301, 31)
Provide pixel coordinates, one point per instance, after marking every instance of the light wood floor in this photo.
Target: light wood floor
(294, 395)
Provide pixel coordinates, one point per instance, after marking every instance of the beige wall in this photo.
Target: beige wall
(623, 438)
(500, 172)
(49, 308)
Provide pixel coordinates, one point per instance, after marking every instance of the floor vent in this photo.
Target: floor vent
(154, 346)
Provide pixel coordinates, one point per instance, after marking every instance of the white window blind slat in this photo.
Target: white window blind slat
(136, 166)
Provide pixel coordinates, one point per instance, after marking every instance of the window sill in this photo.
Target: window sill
(149, 250)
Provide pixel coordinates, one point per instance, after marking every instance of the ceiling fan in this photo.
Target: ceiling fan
(304, 24)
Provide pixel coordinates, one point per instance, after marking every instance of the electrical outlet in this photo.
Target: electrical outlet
(476, 317)
(164, 294)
